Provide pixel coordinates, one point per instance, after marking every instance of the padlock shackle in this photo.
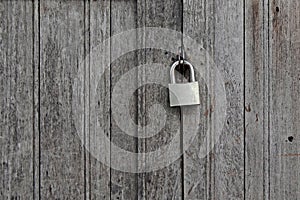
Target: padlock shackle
(175, 64)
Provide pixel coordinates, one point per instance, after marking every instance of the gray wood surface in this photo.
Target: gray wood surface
(218, 27)
(228, 56)
(256, 100)
(16, 100)
(36, 101)
(97, 31)
(46, 154)
(272, 93)
(197, 178)
(123, 17)
(164, 183)
(62, 160)
(284, 100)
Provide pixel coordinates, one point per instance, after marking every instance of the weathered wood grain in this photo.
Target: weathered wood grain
(196, 170)
(97, 31)
(218, 26)
(256, 100)
(36, 100)
(284, 99)
(42, 155)
(165, 183)
(123, 18)
(228, 56)
(140, 99)
(83, 74)
(16, 100)
(62, 160)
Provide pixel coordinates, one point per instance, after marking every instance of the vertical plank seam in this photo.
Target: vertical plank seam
(143, 100)
(244, 92)
(89, 107)
(39, 93)
(145, 59)
(209, 167)
(269, 100)
(84, 103)
(212, 178)
(136, 98)
(137, 117)
(264, 93)
(136, 60)
(266, 100)
(181, 113)
(33, 100)
(110, 88)
(8, 66)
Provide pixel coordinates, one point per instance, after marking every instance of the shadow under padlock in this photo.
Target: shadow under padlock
(186, 93)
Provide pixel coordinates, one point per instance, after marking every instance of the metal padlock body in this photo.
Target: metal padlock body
(183, 94)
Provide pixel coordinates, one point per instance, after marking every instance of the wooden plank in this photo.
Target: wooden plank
(196, 170)
(165, 183)
(218, 27)
(62, 160)
(84, 76)
(98, 23)
(141, 99)
(16, 100)
(284, 99)
(228, 56)
(36, 100)
(256, 102)
(123, 18)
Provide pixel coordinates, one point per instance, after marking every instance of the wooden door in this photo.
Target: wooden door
(57, 92)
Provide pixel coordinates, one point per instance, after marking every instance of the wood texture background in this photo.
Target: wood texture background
(255, 45)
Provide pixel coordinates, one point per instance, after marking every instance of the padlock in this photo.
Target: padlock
(183, 94)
